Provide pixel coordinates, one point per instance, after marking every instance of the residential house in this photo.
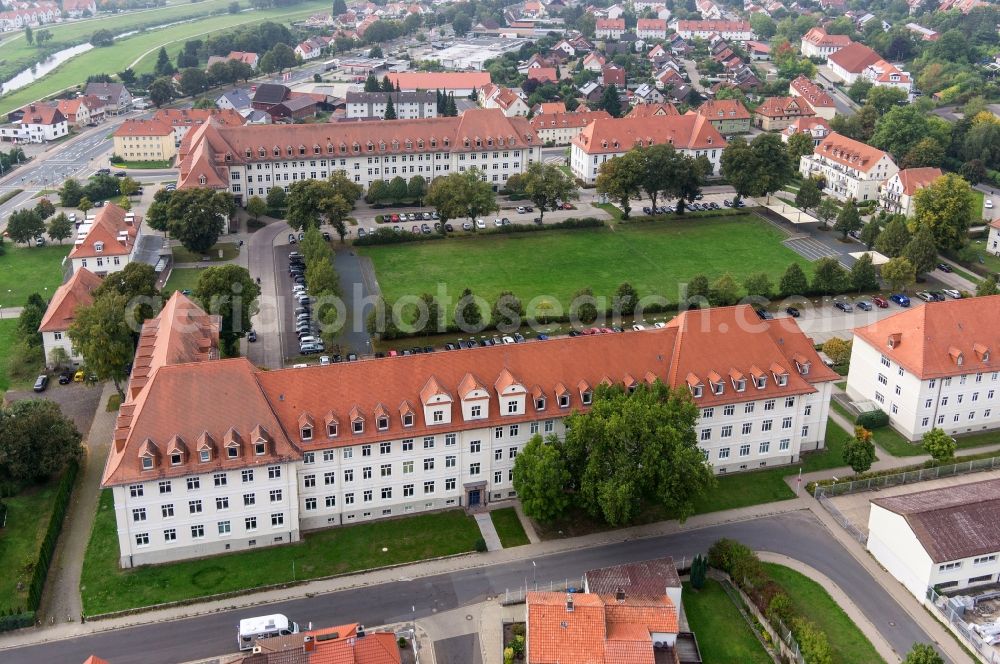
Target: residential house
(898, 192)
(246, 57)
(610, 28)
(651, 28)
(79, 8)
(560, 128)
(850, 62)
(647, 94)
(304, 443)
(708, 10)
(776, 113)
(115, 97)
(344, 644)
(234, 100)
(758, 51)
(35, 123)
(294, 108)
(653, 110)
(925, 34)
(145, 140)
(594, 61)
(543, 74)
(606, 139)
(566, 48)
(613, 75)
(415, 104)
(310, 49)
(268, 95)
(728, 116)
(181, 120)
(814, 96)
(81, 111)
(549, 107)
(946, 538)
(462, 83)
(106, 243)
(734, 30)
(817, 128)
(508, 101)
(885, 74)
(61, 311)
(816, 43)
(263, 155)
(591, 92)
(851, 168)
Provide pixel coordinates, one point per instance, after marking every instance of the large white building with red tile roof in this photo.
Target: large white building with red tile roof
(462, 83)
(59, 315)
(605, 139)
(609, 28)
(260, 456)
(251, 159)
(816, 43)
(852, 169)
(932, 366)
(898, 191)
(561, 128)
(106, 243)
(35, 123)
(730, 30)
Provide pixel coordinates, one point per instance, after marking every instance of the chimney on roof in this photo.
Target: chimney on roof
(620, 595)
(308, 644)
(361, 631)
(32, 108)
(569, 603)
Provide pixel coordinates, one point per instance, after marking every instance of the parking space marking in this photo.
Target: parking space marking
(809, 248)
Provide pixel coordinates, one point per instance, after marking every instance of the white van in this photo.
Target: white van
(264, 627)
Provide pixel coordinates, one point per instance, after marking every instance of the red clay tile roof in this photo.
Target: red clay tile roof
(648, 579)
(190, 117)
(94, 659)
(724, 109)
(564, 120)
(691, 132)
(331, 645)
(849, 152)
(913, 179)
(108, 224)
(543, 74)
(651, 24)
(449, 80)
(812, 93)
(783, 107)
(134, 127)
(551, 107)
(854, 57)
(77, 292)
(714, 26)
(928, 334)
(819, 37)
(41, 114)
(649, 110)
(610, 24)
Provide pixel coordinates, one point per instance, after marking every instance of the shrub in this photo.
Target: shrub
(481, 545)
(873, 419)
(518, 646)
(517, 629)
(401, 642)
(388, 236)
(61, 504)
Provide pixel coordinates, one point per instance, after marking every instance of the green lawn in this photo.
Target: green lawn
(8, 328)
(105, 587)
(724, 637)
(182, 279)
(126, 51)
(143, 164)
(810, 600)
(655, 257)
(229, 251)
(27, 270)
(28, 516)
(508, 527)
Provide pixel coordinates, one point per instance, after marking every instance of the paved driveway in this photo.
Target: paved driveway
(77, 400)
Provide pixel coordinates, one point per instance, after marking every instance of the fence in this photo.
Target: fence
(517, 595)
(956, 621)
(780, 635)
(844, 522)
(908, 477)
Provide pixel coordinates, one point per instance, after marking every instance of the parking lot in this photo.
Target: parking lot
(78, 401)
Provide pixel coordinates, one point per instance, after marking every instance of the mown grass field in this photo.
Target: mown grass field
(8, 332)
(723, 634)
(26, 270)
(185, 278)
(105, 587)
(28, 516)
(655, 257)
(508, 527)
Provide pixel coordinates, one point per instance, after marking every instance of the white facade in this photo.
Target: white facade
(845, 182)
(993, 240)
(374, 107)
(29, 132)
(586, 166)
(957, 404)
(59, 339)
(895, 546)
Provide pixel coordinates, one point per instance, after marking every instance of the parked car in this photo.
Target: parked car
(863, 305)
(521, 210)
(394, 218)
(291, 238)
(66, 377)
(638, 327)
(988, 204)
(310, 349)
(425, 229)
(498, 222)
(426, 216)
(844, 306)
(764, 314)
(952, 293)
(944, 267)
(508, 340)
(900, 299)
(434, 215)
(529, 209)
(792, 311)
(518, 338)
(415, 229)
(466, 226)
(938, 296)
(480, 223)
(925, 296)
(543, 337)
(41, 383)
(324, 360)
(880, 302)
(327, 236)
(659, 324)
(252, 336)
(449, 228)
(361, 232)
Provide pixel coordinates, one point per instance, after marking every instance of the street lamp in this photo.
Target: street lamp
(534, 574)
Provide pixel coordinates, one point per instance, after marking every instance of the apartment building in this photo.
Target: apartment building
(106, 242)
(851, 169)
(182, 120)
(145, 140)
(561, 128)
(777, 113)
(115, 97)
(606, 139)
(818, 44)
(249, 160)
(651, 28)
(261, 456)
(898, 192)
(609, 28)
(859, 61)
(61, 311)
(728, 116)
(507, 100)
(817, 98)
(730, 30)
(408, 105)
(931, 366)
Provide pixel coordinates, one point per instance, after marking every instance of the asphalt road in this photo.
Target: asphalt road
(266, 351)
(798, 535)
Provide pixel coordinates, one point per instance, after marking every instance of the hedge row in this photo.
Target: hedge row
(389, 236)
(693, 215)
(9, 195)
(873, 419)
(63, 494)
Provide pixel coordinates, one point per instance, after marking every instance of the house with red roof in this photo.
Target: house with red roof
(613, 75)
(818, 99)
(851, 169)
(849, 63)
(508, 101)
(817, 128)
(106, 243)
(898, 192)
(543, 74)
(651, 28)
(145, 140)
(35, 123)
(816, 43)
(341, 644)
(610, 28)
(776, 113)
(728, 116)
(81, 111)
(561, 127)
(60, 313)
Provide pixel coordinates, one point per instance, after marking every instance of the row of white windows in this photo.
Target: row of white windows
(193, 483)
(196, 506)
(945, 382)
(727, 430)
(981, 560)
(116, 260)
(224, 528)
(925, 421)
(749, 407)
(744, 450)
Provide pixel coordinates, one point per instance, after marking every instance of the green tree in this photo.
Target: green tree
(193, 82)
(397, 189)
(60, 227)
(467, 313)
(161, 91)
(838, 350)
(699, 569)
(435, 315)
(508, 312)
(793, 281)
(808, 196)
(864, 277)
(29, 320)
(29, 36)
(390, 109)
(884, 99)
(372, 84)
(541, 479)
(102, 335)
(630, 451)
(859, 451)
(36, 440)
(163, 66)
(939, 445)
(626, 299)
(925, 152)
(899, 274)
(70, 193)
(698, 289)
(544, 184)
(230, 292)
(416, 189)
(869, 234)
(848, 219)
(826, 211)
(763, 25)
(136, 282)
(921, 251)
(198, 217)
(923, 653)
(813, 642)
(44, 208)
(988, 286)
(946, 207)
(24, 225)
(724, 291)
(256, 207)
(800, 144)
(829, 277)
(904, 126)
(758, 168)
(894, 237)
(610, 101)
(277, 200)
(758, 284)
(463, 194)
(620, 178)
(462, 24)
(127, 186)
(584, 305)
(859, 90)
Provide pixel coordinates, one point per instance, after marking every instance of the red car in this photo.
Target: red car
(591, 330)
(880, 302)
(607, 330)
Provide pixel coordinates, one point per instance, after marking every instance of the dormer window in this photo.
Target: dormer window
(540, 403)
(761, 382)
(306, 433)
(783, 379)
(232, 452)
(176, 459)
(205, 456)
(740, 385)
(587, 397)
(98, 247)
(249, 153)
(202, 179)
(229, 156)
(696, 391)
(718, 388)
(564, 401)
(331, 429)
(408, 420)
(382, 423)
(358, 426)
(147, 463)
(259, 448)
(276, 151)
